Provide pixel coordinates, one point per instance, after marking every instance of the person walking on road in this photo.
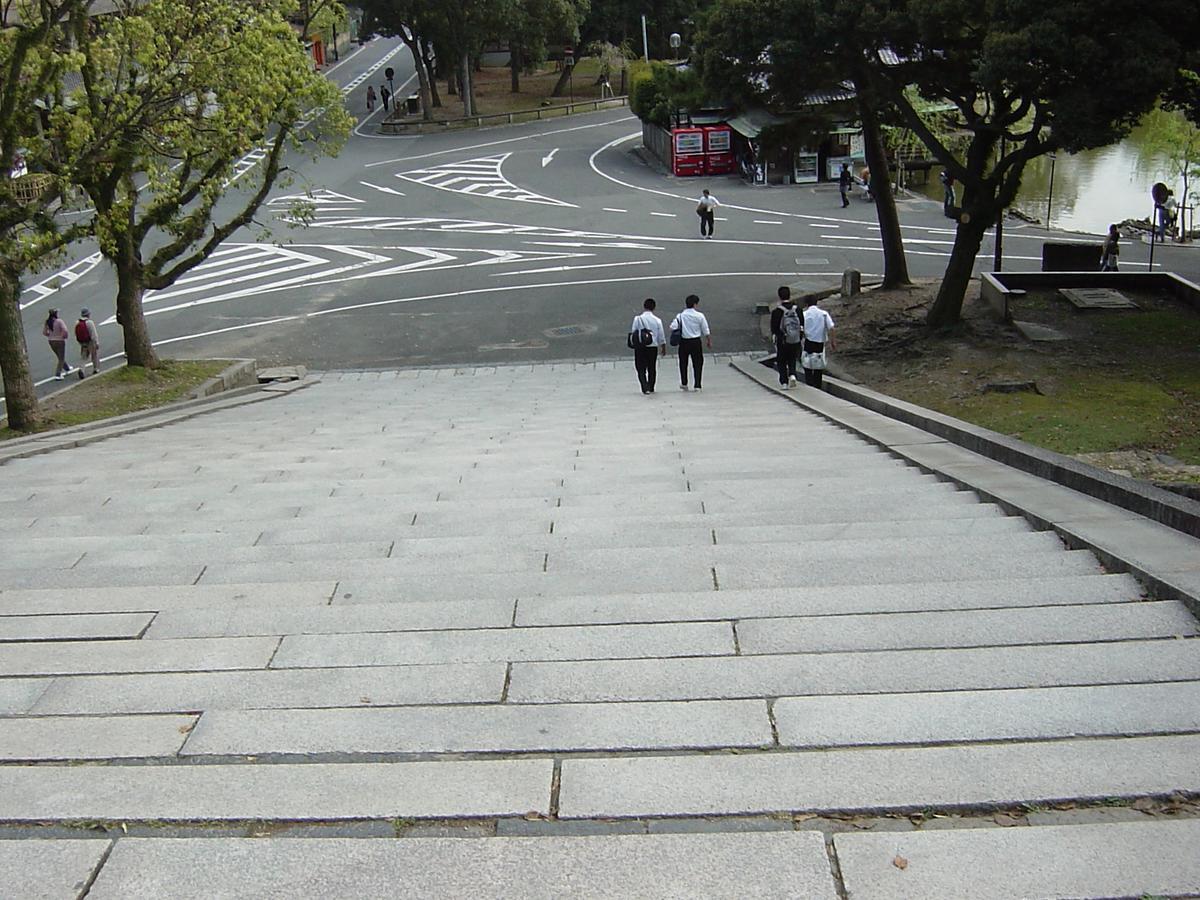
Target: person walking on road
(787, 326)
(845, 183)
(1111, 254)
(89, 342)
(818, 330)
(693, 329)
(646, 338)
(706, 210)
(55, 332)
(384, 96)
(370, 98)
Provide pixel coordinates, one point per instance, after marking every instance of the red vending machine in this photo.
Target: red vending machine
(718, 150)
(687, 151)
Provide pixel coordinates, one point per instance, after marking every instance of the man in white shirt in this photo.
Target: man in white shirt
(645, 356)
(818, 329)
(706, 208)
(693, 328)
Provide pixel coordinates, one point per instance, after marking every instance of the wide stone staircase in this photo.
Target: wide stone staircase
(525, 632)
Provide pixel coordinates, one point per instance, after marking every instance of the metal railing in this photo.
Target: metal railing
(395, 126)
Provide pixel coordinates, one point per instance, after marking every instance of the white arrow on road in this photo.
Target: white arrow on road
(548, 157)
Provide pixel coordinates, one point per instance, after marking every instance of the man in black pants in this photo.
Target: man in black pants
(693, 328)
(818, 330)
(645, 358)
(787, 325)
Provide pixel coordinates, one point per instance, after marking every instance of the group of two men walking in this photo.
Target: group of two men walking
(648, 340)
(800, 335)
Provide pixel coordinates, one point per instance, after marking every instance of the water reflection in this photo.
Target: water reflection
(1092, 188)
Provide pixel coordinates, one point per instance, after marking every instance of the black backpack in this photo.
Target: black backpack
(639, 337)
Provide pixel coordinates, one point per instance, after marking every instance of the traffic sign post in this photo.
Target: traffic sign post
(569, 62)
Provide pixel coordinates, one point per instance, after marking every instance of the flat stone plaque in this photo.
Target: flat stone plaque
(1097, 298)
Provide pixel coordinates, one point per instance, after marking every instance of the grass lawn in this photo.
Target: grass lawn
(118, 391)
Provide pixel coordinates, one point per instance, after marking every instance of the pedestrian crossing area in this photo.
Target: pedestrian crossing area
(481, 177)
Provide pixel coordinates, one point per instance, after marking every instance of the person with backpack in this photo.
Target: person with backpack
(818, 330)
(788, 329)
(692, 328)
(55, 332)
(89, 342)
(646, 339)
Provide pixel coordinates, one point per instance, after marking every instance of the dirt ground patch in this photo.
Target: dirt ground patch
(1121, 391)
(123, 390)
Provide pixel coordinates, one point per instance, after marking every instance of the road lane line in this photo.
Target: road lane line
(766, 222)
(608, 265)
(610, 209)
(665, 215)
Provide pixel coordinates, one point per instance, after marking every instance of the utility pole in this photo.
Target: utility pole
(645, 41)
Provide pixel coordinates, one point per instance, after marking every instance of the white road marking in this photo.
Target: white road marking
(608, 265)
(61, 279)
(767, 222)
(478, 177)
(549, 158)
(526, 137)
(382, 189)
(320, 198)
(666, 215)
(618, 245)
(610, 209)
(823, 225)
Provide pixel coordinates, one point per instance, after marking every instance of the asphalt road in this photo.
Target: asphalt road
(529, 242)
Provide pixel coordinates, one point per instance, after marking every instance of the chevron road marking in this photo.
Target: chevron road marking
(480, 177)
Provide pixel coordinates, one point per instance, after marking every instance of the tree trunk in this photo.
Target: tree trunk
(468, 95)
(561, 84)
(514, 63)
(414, 48)
(20, 396)
(432, 68)
(895, 265)
(947, 307)
(130, 288)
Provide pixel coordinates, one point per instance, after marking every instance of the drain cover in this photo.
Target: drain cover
(1097, 298)
(569, 330)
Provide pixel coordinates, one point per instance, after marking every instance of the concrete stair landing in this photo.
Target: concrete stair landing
(526, 632)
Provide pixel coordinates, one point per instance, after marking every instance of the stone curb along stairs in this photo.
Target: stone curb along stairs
(523, 631)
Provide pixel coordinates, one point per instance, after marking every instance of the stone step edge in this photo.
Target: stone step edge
(1154, 503)
(145, 420)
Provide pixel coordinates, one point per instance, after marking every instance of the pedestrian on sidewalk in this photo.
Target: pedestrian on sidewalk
(818, 330)
(55, 332)
(693, 330)
(845, 183)
(646, 338)
(370, 98)
(89, 342)
(787, 327)
(1111, 253)
(948, 199)
(384, 96)
(706, 210)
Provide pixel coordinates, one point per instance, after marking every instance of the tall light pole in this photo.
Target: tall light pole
(1050, 195)
(645, 41)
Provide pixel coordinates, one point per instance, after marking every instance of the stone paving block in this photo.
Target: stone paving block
(317, 569)
(881, 672)
(200, 654)
(280, 557)
(968, 628)
(597, 642)
(879, 779)
(989, 715)
(654, 867)
(344, 619)
(485, 729)
(899, 568)
(292, 593)
(269, 689)
(101, 576)
(49, 869)
(444, 789)
(73, 628)
(17, 695)
(855, 531)
(682, 606)
(519, 584)
(1134, 859)
(92, 737)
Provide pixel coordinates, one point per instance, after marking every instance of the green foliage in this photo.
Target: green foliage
(1177, 138)
(667, 88)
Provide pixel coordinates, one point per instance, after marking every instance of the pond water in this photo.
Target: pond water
(1092, 188)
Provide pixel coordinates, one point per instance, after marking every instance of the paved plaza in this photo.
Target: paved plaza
(522, 631)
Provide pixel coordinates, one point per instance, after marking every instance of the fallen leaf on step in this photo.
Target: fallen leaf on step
(184, 729)
(900, 863)
(803, 817)
(1144, 804)
(364, 699)
(1006, 820)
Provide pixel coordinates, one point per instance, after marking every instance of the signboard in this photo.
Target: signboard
(687, 142)
(718, 140)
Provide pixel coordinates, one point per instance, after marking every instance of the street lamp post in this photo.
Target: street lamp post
(645, 41)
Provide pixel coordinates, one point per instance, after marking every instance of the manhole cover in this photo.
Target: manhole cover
(569, 330)
(1097, 298)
